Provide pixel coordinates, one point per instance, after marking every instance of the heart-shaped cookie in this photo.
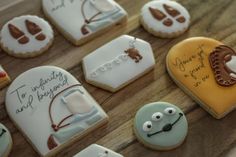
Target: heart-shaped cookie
(82, 20)
(205, 69)
(52, 108)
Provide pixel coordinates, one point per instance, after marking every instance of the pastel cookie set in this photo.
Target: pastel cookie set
(5, 141)
(51, 107)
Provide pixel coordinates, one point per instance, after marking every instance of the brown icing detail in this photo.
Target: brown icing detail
(181, 19)
(40, 37)
(84, 30)
(32, 27)
(15, 32)
(134, 54)
(51, 143)
(171, 11)
(168, 22)
(23, 40)
(217, 59)
(157, 14)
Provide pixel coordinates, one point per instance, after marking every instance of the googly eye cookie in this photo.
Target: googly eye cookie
(83, 20)
(165, 18)
(118, 63)
(26, 36)
(52, 108)
(95, 150)
(5, 141)
(160, 126)
(206, 70)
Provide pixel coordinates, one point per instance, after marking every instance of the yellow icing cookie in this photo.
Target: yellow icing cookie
(204, 69)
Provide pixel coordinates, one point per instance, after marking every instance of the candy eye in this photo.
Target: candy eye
(170, 111)
(147, 126)
(157, 116)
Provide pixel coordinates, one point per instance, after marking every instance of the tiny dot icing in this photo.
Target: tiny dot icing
(51, 107)
(117, 62)
(165, 16)
(5, 140)
(160, 125)
(26, 35)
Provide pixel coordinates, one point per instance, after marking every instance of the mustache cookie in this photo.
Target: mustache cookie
(205, 69)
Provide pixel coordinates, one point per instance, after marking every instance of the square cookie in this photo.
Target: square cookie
(52, 109)
(118, 63)
(82, 20)
(95, 150)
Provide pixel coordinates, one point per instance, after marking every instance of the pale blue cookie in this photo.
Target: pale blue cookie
(5, 141)
(160, 126)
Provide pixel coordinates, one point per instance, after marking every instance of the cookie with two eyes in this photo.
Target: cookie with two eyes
(160, 126)
(5, 141)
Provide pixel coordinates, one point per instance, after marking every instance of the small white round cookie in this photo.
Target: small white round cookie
(5, 141)
(165, 18)
(26, 36)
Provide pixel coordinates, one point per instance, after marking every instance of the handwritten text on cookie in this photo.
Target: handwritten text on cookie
(45, 88)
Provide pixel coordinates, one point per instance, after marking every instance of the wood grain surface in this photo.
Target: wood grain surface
(207, 136)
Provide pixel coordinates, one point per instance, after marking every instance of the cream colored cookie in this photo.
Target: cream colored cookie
(4, 78)
(82, 20)
(26, 36)
(165, 18)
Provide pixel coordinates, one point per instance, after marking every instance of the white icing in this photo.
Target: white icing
(34, 119)
(103, 5)
(67, 15)
(95, 150)
(124, 68)
(158, 26)
(33, 45)
(232, 64)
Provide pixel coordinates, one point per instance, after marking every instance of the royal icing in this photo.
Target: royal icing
(95, 150)
(4, 78)
(78, 19)
(115, 64)
(160, 125)
(202, 67)
(26, 35)
(5, 141)
(165, 16)
(51, 107)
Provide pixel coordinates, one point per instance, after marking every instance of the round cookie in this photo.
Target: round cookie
(164, 18)
(5, 141)
(26, 36)
(160, 126)
(205, 69)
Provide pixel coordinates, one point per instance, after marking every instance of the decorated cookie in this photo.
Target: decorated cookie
(206, 70)
(26, 36)
(4, 78)
(118, 63)
(5, 141)
(165, 18)
(82, 20)
(95, 150)
(160, 126)
(52, 108)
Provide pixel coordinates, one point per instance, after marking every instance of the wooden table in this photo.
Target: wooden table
(207, 136)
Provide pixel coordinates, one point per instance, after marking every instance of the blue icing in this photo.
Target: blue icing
(169, 138)
(5, 140)
(80, 117)
(106, 19)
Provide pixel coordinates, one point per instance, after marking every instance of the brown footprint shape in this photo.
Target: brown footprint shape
(159, 15)
(17, 34)
(34, 29)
